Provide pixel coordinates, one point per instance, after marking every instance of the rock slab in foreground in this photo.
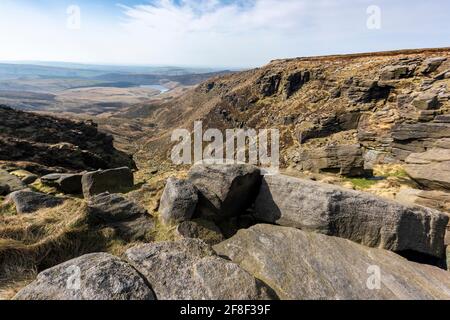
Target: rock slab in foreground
(29, 201)
(102, 277)
(357, 216)
(225, 190)
(113, 180)
(189, 270)
(302, 265)
(178, 201)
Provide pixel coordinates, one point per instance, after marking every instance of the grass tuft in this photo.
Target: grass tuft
(34, 242)
(390, 170)
(362, 183)
(38, 186)
(7, 209)
(163, 231)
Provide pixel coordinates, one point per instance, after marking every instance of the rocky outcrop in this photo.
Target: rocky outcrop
(438, 200)
(287, 84)
(416, 131)
(305, 266)
(397, 102)
(324, 126)
(97, 276)
(26, 201)
(426, 101)
(66, 183)
(294, 81)
(112, 180)
(269, 84)
(418, 137)
(432, 64)
(365, 91)
(358, 216)
(397, 72)
(435, 199)
(56, 142)
(189, 270)
(343, 159)
(430, 169)
(9, 183)
(179, 201)
(221, 189)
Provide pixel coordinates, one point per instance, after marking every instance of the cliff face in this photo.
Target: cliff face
(340, 114)
(53, 142)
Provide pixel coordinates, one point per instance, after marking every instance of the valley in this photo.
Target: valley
(90, 89)
(86, 179)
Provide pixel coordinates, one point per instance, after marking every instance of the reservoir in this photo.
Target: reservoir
(155, 86)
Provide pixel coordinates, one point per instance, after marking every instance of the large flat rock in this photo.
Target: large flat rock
(97, 276)
(189, 270)
(303, 265)
(358, 216)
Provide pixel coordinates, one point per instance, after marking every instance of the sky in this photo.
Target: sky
(214, 33)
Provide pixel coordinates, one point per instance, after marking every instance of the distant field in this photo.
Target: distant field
(99, 100)
(92, 90)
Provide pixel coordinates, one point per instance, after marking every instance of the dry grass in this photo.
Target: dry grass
(30, 228)
(163, 231)
(34, 242)
(390, 170)
(40, 187)
(10, 289)
(31, 243)
(8, 209)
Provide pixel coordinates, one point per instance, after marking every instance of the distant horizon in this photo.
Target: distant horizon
(87, 64)
(49, 63)
(230, 34)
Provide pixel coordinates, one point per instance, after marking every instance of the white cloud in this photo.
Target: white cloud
(242, 33)
(213, 17)
(203, 32)
(209, 32)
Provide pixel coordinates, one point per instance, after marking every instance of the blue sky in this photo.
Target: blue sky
(216, 33)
